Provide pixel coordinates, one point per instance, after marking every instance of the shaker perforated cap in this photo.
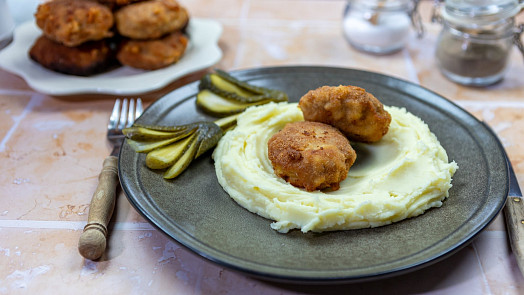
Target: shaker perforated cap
(480, 11)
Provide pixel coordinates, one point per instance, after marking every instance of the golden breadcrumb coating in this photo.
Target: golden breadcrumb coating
(311, 155)
(150, 19)
(115, 3)
(153, 54)
(73, 22)
(355, 112)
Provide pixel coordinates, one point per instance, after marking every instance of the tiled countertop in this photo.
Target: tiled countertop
(52, 148)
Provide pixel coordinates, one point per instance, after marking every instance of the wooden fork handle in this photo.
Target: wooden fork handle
(92, 243)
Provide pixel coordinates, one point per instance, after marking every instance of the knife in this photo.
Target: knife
(514, 214)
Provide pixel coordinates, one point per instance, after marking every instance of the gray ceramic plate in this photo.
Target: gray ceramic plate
(195, 211)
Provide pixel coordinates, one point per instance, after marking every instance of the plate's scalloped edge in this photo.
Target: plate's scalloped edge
(20, 64)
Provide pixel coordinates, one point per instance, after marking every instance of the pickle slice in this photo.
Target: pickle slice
(167, 156)
(227, 123)
(218, 106)
(231, 88)
(147, 146)
(175, 128)
(147, 134)
(186, 144)
(183, 162)
(144, 146)
(227, 86)
(209, 134)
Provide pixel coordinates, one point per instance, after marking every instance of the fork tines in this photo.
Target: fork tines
(124, 113)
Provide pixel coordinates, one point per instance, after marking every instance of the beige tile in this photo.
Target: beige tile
(498, 224)
(507, 120)
(228, 9)
(229, 44)
(51, 262)
(12, 82)
(65, 136)
(312, 11)
(301, 44)
(146, 261)
(498, 264)
(11, 108)
(137, 262)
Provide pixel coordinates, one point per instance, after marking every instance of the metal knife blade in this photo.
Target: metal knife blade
(514, 213)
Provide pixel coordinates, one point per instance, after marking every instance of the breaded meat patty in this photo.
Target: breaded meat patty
(73, 22)
(153, 54)
(311, 155)
(87, 59)
(150, 19)
(355, 112)
(115, 3)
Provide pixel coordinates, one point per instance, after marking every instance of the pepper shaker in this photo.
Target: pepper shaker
(380, 26)
(476, 40)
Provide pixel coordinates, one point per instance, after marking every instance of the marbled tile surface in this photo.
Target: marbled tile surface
(51, 151)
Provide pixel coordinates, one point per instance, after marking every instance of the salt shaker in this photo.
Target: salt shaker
(476, 40)
(380, 26)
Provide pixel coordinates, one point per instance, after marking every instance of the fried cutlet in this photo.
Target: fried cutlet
(153, 54)
(150, 19)
(116, 3)
(355, 112)
(311, 155)
(84, 60)
(73, 22)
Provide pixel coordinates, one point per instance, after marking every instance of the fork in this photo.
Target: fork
(92, 242)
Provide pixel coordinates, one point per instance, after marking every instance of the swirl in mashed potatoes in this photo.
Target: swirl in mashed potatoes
(401, 176)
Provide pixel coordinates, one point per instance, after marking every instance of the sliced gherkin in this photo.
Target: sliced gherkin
(168, 155)
(209, 134)
(144, 146)
(231, 88)
(183, 162)
(175, 128)
(218, 106)
(147, 134)
(176, 153)
(147, 146)
(227, 122)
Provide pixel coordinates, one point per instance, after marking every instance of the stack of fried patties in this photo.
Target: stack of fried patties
(87, 37)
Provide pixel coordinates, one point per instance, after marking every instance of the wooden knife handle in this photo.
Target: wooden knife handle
(92, 243)
(515, 224)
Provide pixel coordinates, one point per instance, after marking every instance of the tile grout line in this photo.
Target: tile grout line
(484, 279)
(69, 225)
(16, 92)
(35, 99)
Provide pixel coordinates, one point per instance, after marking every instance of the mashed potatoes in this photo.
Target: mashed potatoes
(400, 176)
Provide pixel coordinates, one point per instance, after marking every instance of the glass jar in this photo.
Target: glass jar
(475, 43)
(380, 26)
